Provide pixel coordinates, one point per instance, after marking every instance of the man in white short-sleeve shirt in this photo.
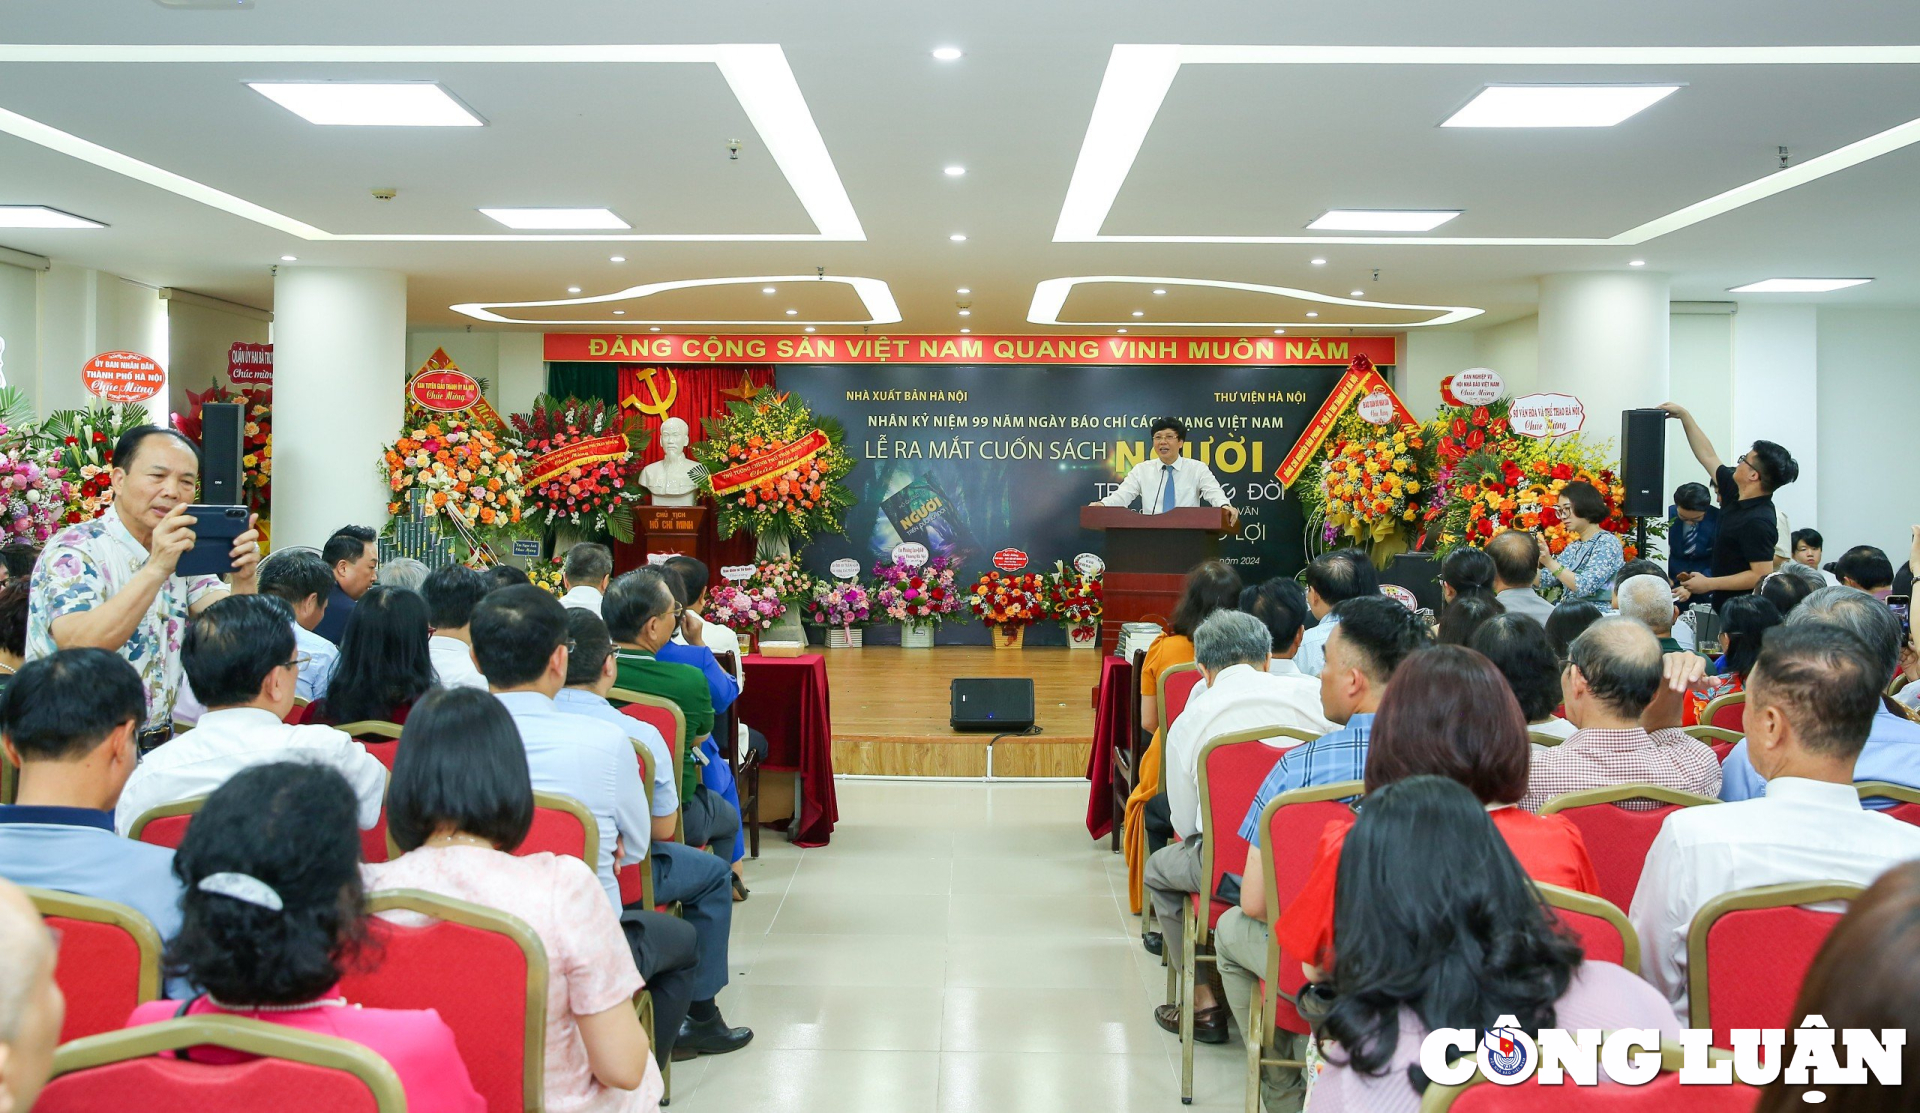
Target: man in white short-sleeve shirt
(1169, 480)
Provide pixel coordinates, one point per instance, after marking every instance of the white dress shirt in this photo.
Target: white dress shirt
(585, 597)
(231, 739)
(1240, 698)
(1193, 484)
(453, 663)
(1311, 659)
(665, 796)
(1801, 830)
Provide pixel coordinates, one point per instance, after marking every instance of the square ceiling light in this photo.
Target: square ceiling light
(1797, 285)
(549, 219)
(1557, 106)
(395, 104)
(40, 216)
(1382, 220)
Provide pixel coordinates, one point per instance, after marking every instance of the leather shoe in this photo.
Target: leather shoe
(709, 1037)
(1153, 942)
(1209, 1025)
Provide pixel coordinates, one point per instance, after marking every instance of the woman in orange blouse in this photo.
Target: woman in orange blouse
(1447, 712)
(1211, 586)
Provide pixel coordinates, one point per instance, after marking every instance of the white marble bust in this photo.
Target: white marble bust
(674, 479)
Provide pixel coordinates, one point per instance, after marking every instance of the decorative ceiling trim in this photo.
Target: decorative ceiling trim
(1051, 294)
(757, 73)
(1139, 75)
(874, 294)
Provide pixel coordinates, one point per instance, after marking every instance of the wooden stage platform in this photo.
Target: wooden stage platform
(891, 705)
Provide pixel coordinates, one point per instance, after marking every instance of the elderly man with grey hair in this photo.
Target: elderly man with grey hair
(585, 572)
(1232, 649)
(1624, 696)
(1892, 752)
(31, 1007)
(402, 572)
(1648, 600)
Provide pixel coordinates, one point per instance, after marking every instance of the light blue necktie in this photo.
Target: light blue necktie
(1167, 496)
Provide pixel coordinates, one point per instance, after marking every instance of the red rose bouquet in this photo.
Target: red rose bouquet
(582, 465)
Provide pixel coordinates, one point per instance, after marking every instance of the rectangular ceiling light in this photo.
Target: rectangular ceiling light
(1556, 106)
(1797, 285)
(1382, 220)
(394, 104)
(560, 219)
(40, 216)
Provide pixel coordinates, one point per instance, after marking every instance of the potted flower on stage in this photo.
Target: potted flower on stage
(792, 586)
(746, 610)
(843, 607)
(1007, 604)
(1074, 600)
(915, 597)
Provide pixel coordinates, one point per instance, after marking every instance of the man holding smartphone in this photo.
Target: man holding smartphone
(112, 582)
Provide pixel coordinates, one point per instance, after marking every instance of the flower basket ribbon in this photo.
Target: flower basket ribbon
(782, 459)
(580, 454)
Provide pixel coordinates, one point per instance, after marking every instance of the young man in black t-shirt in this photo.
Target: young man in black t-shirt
(1749, 527)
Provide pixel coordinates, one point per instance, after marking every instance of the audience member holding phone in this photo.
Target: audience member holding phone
(120, 582)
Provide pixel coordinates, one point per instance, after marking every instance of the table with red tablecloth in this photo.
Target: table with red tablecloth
(786, 699)
(1109, 730)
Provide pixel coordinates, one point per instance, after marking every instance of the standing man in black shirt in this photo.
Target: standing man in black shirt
(1749, 529)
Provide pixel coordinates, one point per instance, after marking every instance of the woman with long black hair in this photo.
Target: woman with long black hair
(384, 663)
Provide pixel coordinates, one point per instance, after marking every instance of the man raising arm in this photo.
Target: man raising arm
(1749, 529)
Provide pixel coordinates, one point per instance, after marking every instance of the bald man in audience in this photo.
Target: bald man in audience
(31, 1007)
(1626, 704)
(1648, 600)
(1516, 565)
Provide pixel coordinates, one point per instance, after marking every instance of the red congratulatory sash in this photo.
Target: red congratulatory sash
(785, 458)
(580, 454)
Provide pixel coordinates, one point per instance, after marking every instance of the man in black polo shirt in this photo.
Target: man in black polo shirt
(1749, 528)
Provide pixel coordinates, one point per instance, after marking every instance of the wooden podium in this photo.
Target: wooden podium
(1148, 558)
(665, 531)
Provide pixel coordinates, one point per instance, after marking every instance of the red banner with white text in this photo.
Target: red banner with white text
(1122, 351)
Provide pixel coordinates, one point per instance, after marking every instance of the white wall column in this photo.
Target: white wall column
(340, 351)
(1604, 340)
(523, 370)
(1776, 356)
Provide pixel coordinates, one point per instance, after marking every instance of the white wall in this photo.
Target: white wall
(198, 338)
(19, 326)
(1513, 349)
(85, 312)
(476, 353)
(1869, 397)
(1701, 379)
(1774, 362)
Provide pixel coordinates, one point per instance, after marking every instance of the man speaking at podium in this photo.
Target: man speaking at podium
(1170, 480)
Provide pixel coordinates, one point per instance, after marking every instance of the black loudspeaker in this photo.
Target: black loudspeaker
(1003, 705)
(221, 447)
(1643, 461)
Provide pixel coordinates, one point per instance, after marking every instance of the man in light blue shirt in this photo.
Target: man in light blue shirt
(301, 578)
(1892, 752)
(522, 643)
(1332, 579)
(70, 721)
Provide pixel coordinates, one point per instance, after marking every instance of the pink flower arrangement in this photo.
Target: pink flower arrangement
(33, 495)
(744, 609)
(789, 582)
(916, 596)
(845, 605)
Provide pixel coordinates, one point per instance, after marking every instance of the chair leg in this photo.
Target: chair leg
(752, 818)
(1255, 1021)
(1190, 936)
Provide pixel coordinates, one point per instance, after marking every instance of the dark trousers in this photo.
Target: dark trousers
(703, 885)
(708, 818)
(1158, 822)
(665, 950)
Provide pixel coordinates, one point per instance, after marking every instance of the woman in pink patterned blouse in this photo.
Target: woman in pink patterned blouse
(460, 799)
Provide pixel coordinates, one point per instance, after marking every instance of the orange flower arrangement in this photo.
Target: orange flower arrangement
(463, 469)
(1012, 601)
(796, 503)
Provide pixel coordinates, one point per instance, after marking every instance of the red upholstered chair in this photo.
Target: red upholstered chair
(636, 880)
(1664, 1094)
(1604, 932)
(562, 825)
(1617, 837)
(664, 716)
(109, 960)
(165, 825)
(1230, 769)
(1294, 821)
(1176, 688)
(1906, 808)
(381, 738)
(483, 970)
(1722, 741)
(1749, 950)
(298, 1072)
(1729, 712)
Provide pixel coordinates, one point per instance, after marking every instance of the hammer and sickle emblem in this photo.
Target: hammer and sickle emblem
(659, 406)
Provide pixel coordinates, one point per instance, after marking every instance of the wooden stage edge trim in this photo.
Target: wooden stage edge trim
(891, 707)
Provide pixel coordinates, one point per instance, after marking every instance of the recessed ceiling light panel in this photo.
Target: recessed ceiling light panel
(946, 53)
(40, 216)
(956, 171)
(1382, 220)
(389, 104)
(1557, 106)
(874, 294)
(556, 219)
(1798, 285)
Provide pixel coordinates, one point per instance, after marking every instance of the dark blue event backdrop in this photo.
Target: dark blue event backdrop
(972, 460)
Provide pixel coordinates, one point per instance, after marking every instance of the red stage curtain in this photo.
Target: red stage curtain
(698, 393)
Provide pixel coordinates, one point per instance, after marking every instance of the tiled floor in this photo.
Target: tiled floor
(959, 948)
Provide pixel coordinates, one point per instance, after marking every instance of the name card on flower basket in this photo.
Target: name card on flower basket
(846, 568)
(1546, 415)
(1089, 564)
(737, 573)
(1376, 408)
(1010, 560)
(910, 553)
(1476, 386)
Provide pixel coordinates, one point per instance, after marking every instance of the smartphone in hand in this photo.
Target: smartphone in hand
(214, 531)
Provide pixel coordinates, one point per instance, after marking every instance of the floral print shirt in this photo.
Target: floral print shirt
(84, 566)
(1593, 563)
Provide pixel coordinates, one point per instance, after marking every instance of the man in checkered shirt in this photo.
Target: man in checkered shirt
(1628, 717)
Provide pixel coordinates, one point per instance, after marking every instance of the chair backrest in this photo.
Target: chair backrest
(1293, 822)
(1617, 837)
(165, 825)
(726, 727)
(1136, 736)
(562, 825)
(1749, 950)
(636, 880)
(661, 713)
(381, 738)
(109, 960)
(1176, 687)
(1906, 807)
(1664, 1094)
(1605, 934)
(1540, 738)
(298, 1072)
(483, 970)
(1230, 769)
(1729, 712)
